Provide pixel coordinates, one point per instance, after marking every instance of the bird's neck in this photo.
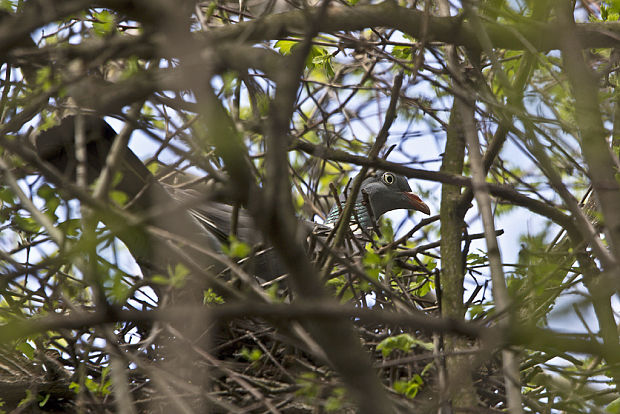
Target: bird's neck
(360, 217)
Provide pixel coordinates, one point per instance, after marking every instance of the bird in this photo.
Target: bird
(381, 191)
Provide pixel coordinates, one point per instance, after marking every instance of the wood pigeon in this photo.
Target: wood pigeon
(379, 193)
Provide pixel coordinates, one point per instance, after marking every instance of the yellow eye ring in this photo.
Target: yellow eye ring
(388, 178)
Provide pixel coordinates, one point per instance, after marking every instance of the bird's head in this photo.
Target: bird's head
(387, 191)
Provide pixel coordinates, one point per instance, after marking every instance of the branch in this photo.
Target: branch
(531, 337)
(451, 30)
(510, 362)
(505, 192)
(298, 311)
(594, 147)
(335, 334)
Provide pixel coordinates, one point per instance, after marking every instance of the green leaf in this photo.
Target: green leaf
(46, 192)
(48, 120)
(52, 200)
(27, 224)
(209, 296)
(104, 385)
(50, 207)
(431, 265)
(251, 355)
(27, 399)
(286, 46)
(236, 248)
(104, 24)
(211, 9)
(91, 385)
(160, 280)
(308, 385)
(26, 349)
(132, 67)
(409, 388)
(230, 80)
(8, 5)
(475, 259)
(335, 402)
(425, 285)
(347, 295)
(402, 52)
(403, 342)
(387, 230)
(44, 400)
(153, 167)
(75, 387)
(427, 368)
(476, 311)
(45, 78)
(614, 6)
(373, 273)
(371, 258)
(176, 276)
(119, 197)
(71, 227)
(319, 58)
(118, 177)
(120, 290)
(272, 292)
(7, 195)
(613, 407)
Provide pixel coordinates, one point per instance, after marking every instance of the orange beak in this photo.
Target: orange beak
(417, 203)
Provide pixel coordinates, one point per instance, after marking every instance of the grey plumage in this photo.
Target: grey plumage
(379, 193)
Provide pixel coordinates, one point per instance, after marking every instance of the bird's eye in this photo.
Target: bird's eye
(388, 178)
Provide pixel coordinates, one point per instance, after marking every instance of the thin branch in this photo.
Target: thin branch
(500, 291)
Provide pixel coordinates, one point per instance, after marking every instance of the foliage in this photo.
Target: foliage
(162, 166)
(403, 342)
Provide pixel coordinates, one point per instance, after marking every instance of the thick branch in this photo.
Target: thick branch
(595, 149)
(452, 30)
